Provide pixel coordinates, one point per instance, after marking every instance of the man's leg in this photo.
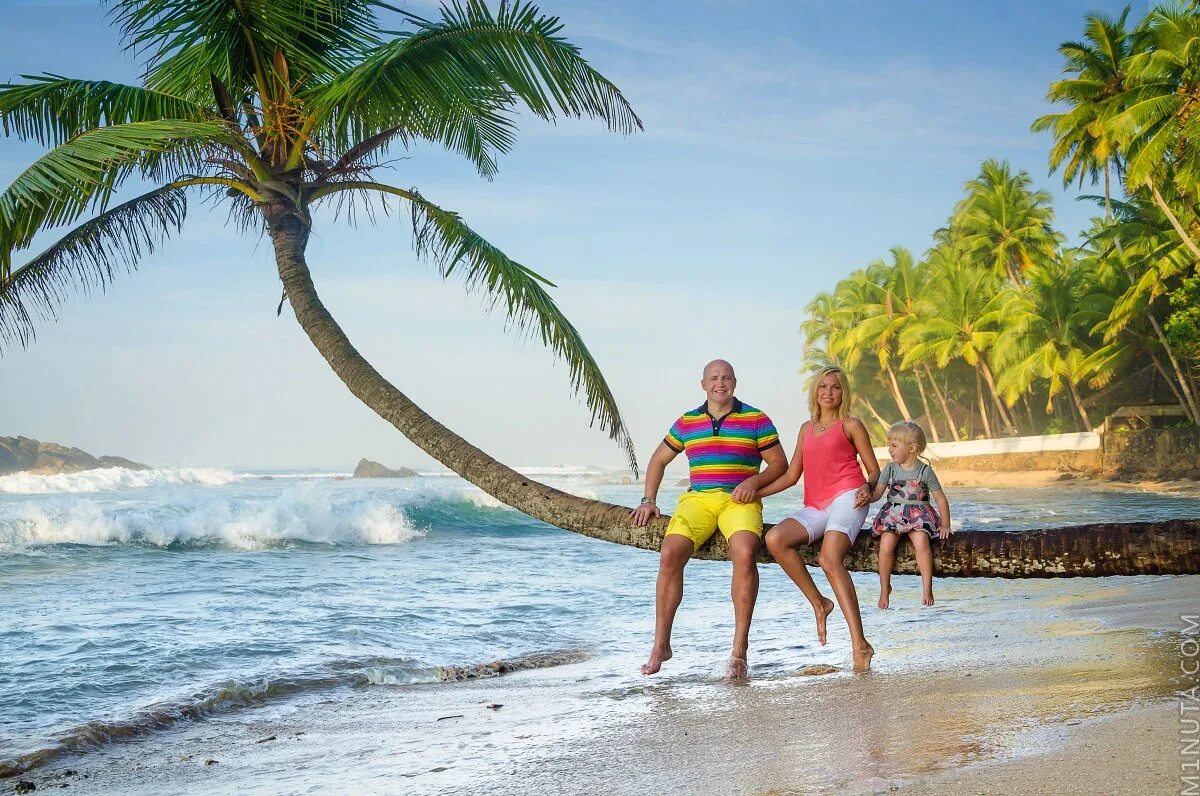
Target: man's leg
(743, 548)
(676, 550)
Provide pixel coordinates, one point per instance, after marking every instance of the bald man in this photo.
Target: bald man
(726, 442)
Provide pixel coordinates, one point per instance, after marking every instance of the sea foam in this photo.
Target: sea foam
(303, 512)
(109, 479)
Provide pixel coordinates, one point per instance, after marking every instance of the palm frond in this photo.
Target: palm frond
(443, 237)
(86, 259)
(52, 109)
(84, 172)
(456, 81)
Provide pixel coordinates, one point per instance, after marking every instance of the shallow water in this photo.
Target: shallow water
(135, 600)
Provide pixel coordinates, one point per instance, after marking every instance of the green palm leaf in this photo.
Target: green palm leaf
(86, 259)
(84, 172)
(52, 109)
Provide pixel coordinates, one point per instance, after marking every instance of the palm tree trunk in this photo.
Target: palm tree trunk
(883, 424)
(987, 427)
(1190, 399)
(1144, 548)
(987, 375)
(1162, 205)
(925, 404)
(1028, 413)
(1087, 424)
(941, 396)
(1162, 371)
(903, 407)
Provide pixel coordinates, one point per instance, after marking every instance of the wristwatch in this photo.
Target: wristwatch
(646, 500)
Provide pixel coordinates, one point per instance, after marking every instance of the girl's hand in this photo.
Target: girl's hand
(944, 531)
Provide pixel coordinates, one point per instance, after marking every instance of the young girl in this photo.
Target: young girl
(909, 484)
(837, 496)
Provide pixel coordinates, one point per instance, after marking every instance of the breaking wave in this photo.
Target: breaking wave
(110, 479)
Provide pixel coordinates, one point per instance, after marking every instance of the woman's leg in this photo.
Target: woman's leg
(833, 560)
(782, 541)
(921, 546)
(887, 557)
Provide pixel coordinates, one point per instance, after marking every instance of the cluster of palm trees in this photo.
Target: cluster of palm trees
(1002, 329)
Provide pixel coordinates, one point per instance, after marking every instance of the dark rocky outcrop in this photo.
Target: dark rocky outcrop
(369, 469)
(22, 454)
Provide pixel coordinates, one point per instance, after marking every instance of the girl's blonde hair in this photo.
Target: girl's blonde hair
(844, 408)
(909, 431)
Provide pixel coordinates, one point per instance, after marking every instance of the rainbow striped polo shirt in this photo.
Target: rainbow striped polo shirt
(722, 451)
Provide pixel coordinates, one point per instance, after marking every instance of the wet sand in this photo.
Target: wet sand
(1055, 478)
(1061, 705)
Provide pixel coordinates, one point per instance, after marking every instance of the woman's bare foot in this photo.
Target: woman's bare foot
(885, 597)
(822, 615)
(927, 598)
(658, 656)
(862, 658)
(737, 670)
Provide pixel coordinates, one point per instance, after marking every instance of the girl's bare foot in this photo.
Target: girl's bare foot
(885, 596)
(862, 658)
(822, 614)
(737, 670)
(927, 599)
(658, 656)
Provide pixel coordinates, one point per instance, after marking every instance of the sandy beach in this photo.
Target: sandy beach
(1078, 703)
(1032, 479)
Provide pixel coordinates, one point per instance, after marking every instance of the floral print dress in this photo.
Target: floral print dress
(906, 504)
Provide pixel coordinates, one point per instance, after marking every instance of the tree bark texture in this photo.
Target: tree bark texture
(1089, 550)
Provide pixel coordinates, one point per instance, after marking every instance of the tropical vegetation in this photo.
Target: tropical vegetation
(1001, 327)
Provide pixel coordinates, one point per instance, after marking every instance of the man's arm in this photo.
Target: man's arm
(662, 456)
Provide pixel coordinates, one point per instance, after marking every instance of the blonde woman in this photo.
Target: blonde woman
(829, 450)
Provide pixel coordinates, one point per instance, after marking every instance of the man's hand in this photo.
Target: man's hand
(642, 514)
(863, 496)
(745, 492)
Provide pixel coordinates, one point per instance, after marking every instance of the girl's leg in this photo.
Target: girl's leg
(921, 546)
(782, 541)
(887, 557)
(833, 560)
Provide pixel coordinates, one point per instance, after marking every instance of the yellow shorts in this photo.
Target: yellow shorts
(699, 514)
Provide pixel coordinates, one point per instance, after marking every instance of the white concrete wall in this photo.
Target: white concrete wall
(1082, 441)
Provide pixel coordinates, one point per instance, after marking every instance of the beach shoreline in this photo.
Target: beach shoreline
(1078, 701)
(1036, 479)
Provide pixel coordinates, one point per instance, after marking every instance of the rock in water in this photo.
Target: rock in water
(369, 469)
(22, 454)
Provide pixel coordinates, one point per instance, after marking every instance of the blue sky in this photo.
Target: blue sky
(786, 144)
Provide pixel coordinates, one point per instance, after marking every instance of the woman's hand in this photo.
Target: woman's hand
(863, 496)
(745, 492)
(944, 531)
(642, 514)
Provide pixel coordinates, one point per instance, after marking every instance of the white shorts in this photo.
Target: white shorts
(840, 515)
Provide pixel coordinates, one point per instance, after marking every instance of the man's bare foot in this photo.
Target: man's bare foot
(885, 596)
(737, 669)
(658, 656)
(927, 599)
(823, 614)
(862, 658)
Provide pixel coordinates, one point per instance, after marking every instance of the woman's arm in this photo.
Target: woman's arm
(943, 505)
(856, 432)
(791, 476)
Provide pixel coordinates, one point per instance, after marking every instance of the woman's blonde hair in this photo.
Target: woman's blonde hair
(909, 431)
(844, 408)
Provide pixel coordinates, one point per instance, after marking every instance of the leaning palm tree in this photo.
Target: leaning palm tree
(278, 106)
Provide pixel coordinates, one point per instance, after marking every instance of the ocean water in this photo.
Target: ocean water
(136, 602)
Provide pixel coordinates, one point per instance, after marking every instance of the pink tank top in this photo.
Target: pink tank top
(830, 466)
